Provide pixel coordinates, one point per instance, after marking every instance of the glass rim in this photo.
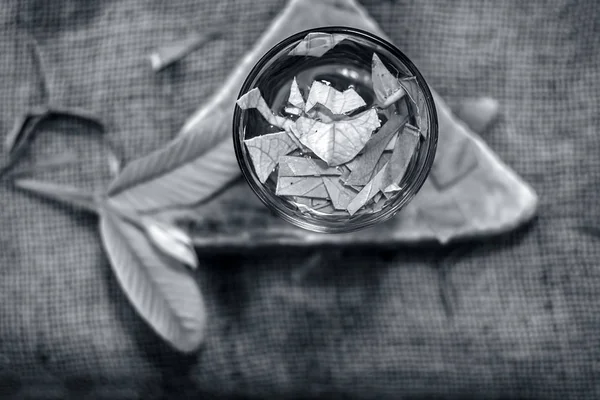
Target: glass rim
(364, 221)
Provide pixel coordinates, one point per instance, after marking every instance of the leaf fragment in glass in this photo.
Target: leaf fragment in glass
(367, 192)
(254, 99)
(339, 194)
(315, 44)
(306, 186)
(295, 98)
(265, 151)
(385, 85)
(340, 141)
(303, 166)
(334, 100)
(319, 203)
(403, 151)
(417, 97)
(292, 111)
(364, 164)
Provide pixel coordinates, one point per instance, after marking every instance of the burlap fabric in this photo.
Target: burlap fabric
(511, 317)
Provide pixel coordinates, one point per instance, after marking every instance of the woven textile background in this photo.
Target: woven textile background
(512, 317)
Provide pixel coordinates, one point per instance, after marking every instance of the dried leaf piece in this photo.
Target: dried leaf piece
(301, 186)
(417, 97)
(315, 44)
(305, 201)
(405, 147)
(340, 141)
(295, 97)
(265, 151)
(171, 241)
(254, 99)
(175, 51)
(377, 197)
(339, 194)
(391, 144)
(385, 85)
(368, 192)
(319, 203)
(362, 168)
(293, 111)
(161, 289)
(302, 166)
(334, 100)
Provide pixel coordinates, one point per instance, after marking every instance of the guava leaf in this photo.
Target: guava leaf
(403, 151)
(340, 141)
(305, 186)
(254, 99)
(339, 194)
(302, 166)
(315, 44)
(334, 100)
(295, 97)
(385, 85)
(265, 151)
(161, 289)
(362, 168)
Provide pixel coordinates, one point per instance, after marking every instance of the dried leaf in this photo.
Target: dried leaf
(303, 166)
(403, 152)
(391, 144)
(295, 98)
(385, 85)
(171, 241)
(306, 186)
(364, 165)
(340, 141)
(367, 192)
(175, 51)
(417, 97)
(377, 197)
(254, 99)
(161, 289)
(315, 44)
(63, 194)
(319, 203)
(292, 111)
(335, 101)
(339, 194)
(265, 151)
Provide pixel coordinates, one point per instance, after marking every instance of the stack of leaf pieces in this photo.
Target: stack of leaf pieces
(332, 154)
